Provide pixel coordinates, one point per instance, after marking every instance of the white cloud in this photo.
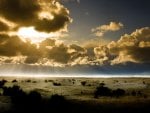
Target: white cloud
(112, 26)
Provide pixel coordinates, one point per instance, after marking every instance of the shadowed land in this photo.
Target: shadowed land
(75, 95)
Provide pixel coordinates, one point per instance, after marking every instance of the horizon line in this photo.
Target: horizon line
(73, 76)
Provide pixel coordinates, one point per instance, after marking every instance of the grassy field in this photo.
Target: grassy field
(81, 93)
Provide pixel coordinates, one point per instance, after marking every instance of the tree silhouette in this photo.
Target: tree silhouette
(2, 83)
(118, 92)
(102, 91)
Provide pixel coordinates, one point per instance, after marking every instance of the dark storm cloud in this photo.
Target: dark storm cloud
(9, 46)
(140, 54)
(59, 54)
(19, 11)
(31, 60)
(46, 16)
(13, 46)
(3, 27)
(46, 25)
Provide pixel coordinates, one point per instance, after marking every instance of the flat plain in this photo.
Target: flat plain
(84, 92)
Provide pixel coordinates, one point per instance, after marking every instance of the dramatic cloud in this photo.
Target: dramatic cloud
(14, 46)
(112, 26)
(102, 54)
(50, 16)
(3, 27)
(129, 48)
(47, 52)
(19, 11)
(134, 47)
(44, 15)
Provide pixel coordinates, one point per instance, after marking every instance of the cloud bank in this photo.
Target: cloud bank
(134, 47)
(50, 16)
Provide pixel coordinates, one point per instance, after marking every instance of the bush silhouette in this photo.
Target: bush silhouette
(133, 93)
(34, 97)
(57, 99)
(16, 93)
(58, 103)
(23, 102)
(118, 92)
(13, 81)
(12, 91)
(83, 83)
(28, 80)
(102, 91)
(33, 102)
(56, 84)
(105, 91)
(102, 84)
(2, 83)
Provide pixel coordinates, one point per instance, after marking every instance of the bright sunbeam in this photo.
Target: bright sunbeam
(35, 36)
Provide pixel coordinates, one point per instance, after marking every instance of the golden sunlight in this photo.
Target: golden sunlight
(34, 36)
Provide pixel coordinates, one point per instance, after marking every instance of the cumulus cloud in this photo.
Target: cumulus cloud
(101, 51)
(14, 46)
(112, 26)
(129, 48)
(51, 16)
(43, 15)
(134, 47)
(49, 50)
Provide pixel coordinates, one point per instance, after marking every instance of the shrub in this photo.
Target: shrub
(102, 91)
(12, 91)
(2, 83)
(118, 92)
(13, 81)
(102, 84)
(56, 84)
(57, 100)
(34, 97)
(133, 93)
(139, 93)
(28, 80)
(105, 91)
(83, 83)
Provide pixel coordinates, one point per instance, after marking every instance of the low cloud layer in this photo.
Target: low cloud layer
(134, 47)
(48, 52)
(112, 26)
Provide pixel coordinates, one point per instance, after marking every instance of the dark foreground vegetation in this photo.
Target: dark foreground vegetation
(105, 91)
(33, 102)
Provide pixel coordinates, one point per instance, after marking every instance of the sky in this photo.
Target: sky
(84, 36)
(92, 13)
